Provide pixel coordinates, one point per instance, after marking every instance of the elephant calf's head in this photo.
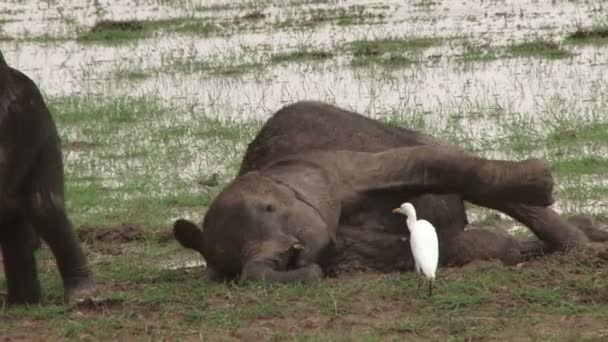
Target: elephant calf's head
(255, 219)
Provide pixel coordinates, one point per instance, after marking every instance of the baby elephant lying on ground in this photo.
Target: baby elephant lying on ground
(31, 193)
(317, 186)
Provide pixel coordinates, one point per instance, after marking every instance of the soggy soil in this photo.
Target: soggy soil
(122, 234)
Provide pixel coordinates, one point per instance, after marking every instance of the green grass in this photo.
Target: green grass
(128, 147)
(596, 132)
(581, 166)
(493, 302)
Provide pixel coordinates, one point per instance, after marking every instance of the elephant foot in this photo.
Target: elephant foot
(81, 290)
(594, 231)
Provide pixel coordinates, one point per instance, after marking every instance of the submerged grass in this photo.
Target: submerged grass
(538, 48)
(115, 32)
(534, 49)
(302, 55)
(597, 35)
(341, 16)
(388, 52)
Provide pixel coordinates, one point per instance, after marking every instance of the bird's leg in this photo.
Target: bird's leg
(430, 287)
(419, 276)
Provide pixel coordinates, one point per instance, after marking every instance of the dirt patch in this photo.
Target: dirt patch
(98, 305)
(165, 236)
(121, 234)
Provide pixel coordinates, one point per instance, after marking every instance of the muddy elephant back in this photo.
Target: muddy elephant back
(326, 127)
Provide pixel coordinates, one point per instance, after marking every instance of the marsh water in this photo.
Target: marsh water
(478, 102)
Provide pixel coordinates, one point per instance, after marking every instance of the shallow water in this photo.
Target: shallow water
(440, 94)
(438, 85)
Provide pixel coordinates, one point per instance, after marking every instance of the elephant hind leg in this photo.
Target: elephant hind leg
(480, 244)
(590, 227)
(47, 214)
(18, 245)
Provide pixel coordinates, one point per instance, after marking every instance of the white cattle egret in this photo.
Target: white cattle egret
(424, 243)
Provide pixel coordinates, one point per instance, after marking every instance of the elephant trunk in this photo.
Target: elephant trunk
(261, 271)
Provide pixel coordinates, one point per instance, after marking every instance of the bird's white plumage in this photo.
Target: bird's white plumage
(425, 247)
(423, 242)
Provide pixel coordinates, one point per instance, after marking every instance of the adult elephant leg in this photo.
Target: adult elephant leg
(48, 216)
(546, 224)
(18, 245)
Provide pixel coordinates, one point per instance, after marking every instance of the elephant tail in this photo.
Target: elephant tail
(188, 235)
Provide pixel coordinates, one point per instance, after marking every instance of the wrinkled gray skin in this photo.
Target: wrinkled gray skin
(327, 179)
(31, 193)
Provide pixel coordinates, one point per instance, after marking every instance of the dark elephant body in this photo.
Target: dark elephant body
(327, 179)
(369, 236)
(31, 192)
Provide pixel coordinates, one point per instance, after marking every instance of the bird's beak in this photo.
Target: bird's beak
(298, 246)
(396, 210)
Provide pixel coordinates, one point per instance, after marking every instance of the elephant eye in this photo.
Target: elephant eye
(269, 207)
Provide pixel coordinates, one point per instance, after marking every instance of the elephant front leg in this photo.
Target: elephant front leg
(18, 245)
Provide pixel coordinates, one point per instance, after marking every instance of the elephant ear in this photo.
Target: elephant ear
(188, 235)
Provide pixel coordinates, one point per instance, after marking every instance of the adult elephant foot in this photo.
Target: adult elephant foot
(80, 290)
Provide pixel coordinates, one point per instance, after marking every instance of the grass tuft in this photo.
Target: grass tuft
(299, 56)
(388, 52)
(538, 48)
(117, 32)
